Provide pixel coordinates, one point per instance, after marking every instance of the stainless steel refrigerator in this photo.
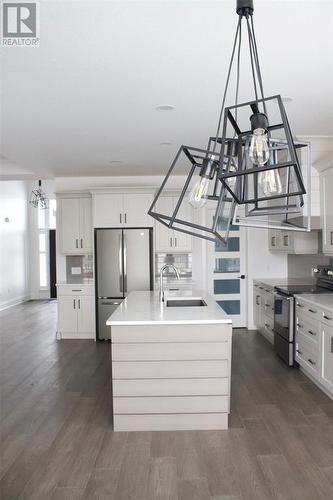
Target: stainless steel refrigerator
(123, 263)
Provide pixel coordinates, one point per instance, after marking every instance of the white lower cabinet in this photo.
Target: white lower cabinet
(314, 343)
(327, 357)
(263, 309)
(76, 312)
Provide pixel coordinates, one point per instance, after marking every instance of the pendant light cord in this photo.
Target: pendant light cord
(227, 84)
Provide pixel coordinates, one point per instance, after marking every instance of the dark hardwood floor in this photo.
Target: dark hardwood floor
(57, 440)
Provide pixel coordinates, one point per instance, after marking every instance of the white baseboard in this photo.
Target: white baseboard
(14, 302)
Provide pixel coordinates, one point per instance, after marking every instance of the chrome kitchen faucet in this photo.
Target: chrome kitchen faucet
(161, 278)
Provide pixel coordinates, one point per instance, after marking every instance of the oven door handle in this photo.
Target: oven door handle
(277, 294)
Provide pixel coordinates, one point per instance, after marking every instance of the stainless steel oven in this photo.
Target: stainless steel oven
(284, 327)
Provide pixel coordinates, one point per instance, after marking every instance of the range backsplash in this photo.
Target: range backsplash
(300, 266)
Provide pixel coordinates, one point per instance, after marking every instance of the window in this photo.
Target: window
(46, 221)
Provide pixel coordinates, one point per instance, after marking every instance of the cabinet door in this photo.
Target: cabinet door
(108, 210)
(256, 305)
(286, 241)
(135, 213)
(327, 357)
(164, 236)
(70, 226)
(273, 241)
(183, 241)
(67, 314)
(85, 225)
(327, 211)
(86, 314)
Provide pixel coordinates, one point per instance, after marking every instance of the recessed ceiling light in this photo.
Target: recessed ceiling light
(165, 107)
(165, 143)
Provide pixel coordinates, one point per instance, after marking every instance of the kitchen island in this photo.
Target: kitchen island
(171, 362)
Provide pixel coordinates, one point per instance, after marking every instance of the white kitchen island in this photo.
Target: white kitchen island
(170, 365)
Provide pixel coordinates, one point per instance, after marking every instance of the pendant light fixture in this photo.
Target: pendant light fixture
(38, 197)
(252, 162)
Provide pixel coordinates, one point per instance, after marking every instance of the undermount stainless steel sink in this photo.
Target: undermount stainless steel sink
(185, 302)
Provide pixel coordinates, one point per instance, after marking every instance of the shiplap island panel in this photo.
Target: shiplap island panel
(170, 365)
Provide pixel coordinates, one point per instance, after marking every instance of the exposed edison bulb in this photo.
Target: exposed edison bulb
(198, 195)
(270, 182)
(259, 150)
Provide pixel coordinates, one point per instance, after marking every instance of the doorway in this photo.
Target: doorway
(227, 274)
(52, 264)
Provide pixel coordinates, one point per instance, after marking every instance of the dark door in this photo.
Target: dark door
(53, 265)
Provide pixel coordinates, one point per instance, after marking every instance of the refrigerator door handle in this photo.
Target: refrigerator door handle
(120, 265)
(125, 263)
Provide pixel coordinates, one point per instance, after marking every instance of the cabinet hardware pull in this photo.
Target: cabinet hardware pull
(73, 303)
(312, 333)
(261, 288)
(311, 361)
(77, 243)
(312, 311)
(299, 352)
(273, 241)
(79, 301)
(171, 242)
(327, 317)
(120, 218)
(299, 325)
(331, 344)
(331, 237)
(81, 243)
(257, 300)
(125, 218)
(175, 242)
(299, 305)
(266, 325)
(77, 290)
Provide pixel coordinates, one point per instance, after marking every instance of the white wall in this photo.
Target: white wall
(261, 264)
(14, 243)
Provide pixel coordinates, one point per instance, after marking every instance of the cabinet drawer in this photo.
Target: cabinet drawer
(172, 387)
(311, 311)
(179, 404)
(170, 351)
(327, 317)
(268, 304)
(75, 290)
(170, 369)
(307, 355)
(310, 329)
(267, 328)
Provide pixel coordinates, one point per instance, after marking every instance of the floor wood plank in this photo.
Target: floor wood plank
(57, 440)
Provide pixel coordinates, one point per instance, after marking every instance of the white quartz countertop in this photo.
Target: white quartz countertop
(145, 308)
(285, 281)
(323, 300)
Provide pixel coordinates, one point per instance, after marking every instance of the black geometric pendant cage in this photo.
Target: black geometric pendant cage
(189, 162)
(281, 175)
(251, 163)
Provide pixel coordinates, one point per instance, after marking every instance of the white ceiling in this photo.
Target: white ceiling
(87, 95)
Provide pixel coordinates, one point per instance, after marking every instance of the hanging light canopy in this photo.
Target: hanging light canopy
(252, 162)
(38, 197)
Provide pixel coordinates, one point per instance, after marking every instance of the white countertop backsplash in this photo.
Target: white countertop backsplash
(145, 308)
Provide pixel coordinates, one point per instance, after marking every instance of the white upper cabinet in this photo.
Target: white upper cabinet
(326, 189)
(293, 242)
(74, 225)
(169, 240)
(121, 209)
